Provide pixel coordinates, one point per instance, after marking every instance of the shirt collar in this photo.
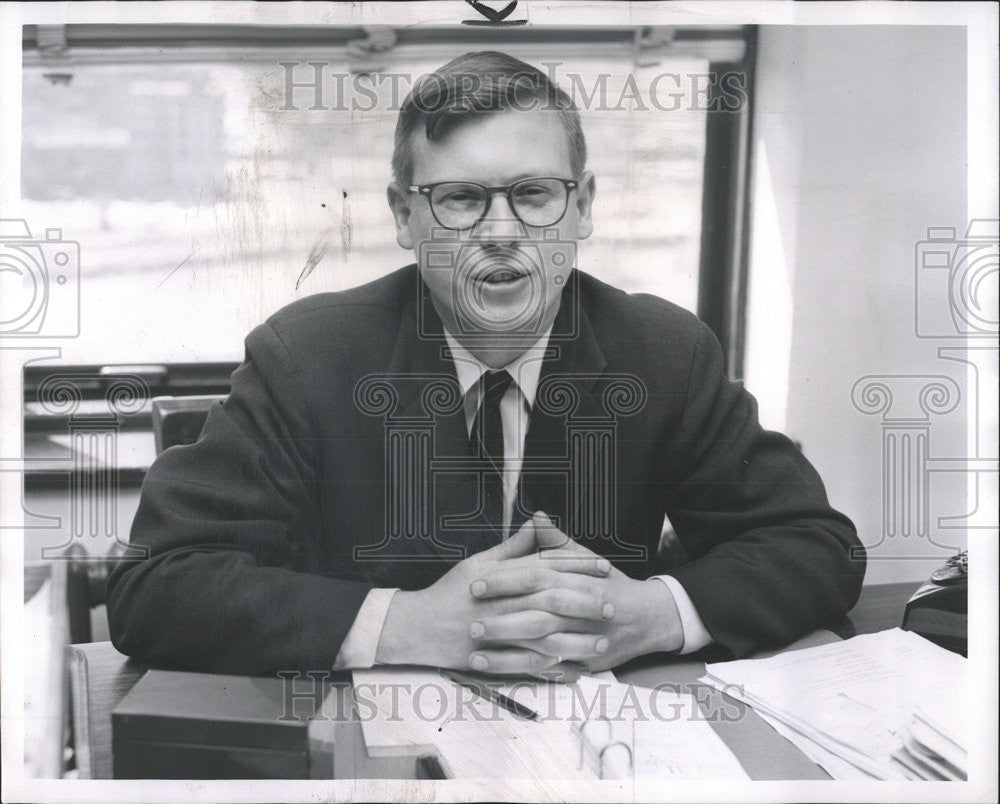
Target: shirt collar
(525, 369)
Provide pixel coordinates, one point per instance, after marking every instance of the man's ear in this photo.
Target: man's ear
(584, 200)
(399, 203)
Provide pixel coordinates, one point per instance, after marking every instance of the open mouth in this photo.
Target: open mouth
(497, 268)
(500, 276)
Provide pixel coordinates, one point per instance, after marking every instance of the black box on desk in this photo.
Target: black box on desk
(196, 726)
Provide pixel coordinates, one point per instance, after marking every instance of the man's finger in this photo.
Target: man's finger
(563, 603)
(564, 672)
(560, 561)
(531, 624)
(528, 580)
(511, 661)
(518, 625)
(568, 645)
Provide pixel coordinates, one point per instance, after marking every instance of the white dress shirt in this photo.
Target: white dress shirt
(360, 644)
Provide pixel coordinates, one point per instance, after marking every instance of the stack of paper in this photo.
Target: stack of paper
(930, 752)
(653, 734)
(890, 705)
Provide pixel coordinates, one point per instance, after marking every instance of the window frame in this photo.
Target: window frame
(725, 223)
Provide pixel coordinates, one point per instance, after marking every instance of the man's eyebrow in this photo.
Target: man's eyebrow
(529, 174)
(532, 174)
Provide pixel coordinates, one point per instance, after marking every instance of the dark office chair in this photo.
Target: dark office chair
(179, 419)
(86, 580)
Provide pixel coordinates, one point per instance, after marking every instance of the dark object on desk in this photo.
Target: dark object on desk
(87, 586)
(430, 767)
(178, 420)
(196, 726)
(484, 690)
(939, 609)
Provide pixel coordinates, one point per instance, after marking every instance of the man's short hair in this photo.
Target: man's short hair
(475, 84)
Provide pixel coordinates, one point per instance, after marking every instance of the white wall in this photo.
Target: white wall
(859, 146)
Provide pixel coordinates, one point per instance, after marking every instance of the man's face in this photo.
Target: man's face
(500, 280)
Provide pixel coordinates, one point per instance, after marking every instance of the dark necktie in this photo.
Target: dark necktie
(486, 442)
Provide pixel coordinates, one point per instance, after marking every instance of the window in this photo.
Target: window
(200, 185)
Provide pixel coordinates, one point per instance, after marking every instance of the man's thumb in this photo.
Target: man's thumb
(547, 535)
(520, 544)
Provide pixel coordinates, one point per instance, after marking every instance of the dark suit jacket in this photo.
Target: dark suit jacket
(265, 536)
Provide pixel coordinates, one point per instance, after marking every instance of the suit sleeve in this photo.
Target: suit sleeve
(228, 524)
(769, 559)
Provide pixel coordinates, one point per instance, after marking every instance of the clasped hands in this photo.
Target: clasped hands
(537, 604)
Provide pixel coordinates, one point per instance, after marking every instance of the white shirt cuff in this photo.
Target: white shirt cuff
(696, 636)
(359, 646)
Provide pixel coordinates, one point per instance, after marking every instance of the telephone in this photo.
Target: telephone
(938, 610)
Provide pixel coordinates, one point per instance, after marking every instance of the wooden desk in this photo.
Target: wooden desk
(109, 675)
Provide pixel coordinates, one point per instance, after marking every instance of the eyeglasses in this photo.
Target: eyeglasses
(462, 204)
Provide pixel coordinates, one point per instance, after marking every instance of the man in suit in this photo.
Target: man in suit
(467, 463)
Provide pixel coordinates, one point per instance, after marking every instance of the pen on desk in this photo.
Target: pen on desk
(484, 690)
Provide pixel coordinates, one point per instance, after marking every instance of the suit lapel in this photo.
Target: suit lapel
(573, 365)
(430, 403)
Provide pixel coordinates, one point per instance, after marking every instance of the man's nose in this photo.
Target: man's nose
(500, 222)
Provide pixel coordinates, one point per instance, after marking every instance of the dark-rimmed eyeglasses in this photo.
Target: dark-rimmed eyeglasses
(462, 204)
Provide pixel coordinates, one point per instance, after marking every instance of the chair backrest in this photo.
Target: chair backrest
(179, 419)
(99, 678)
(86, 584)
